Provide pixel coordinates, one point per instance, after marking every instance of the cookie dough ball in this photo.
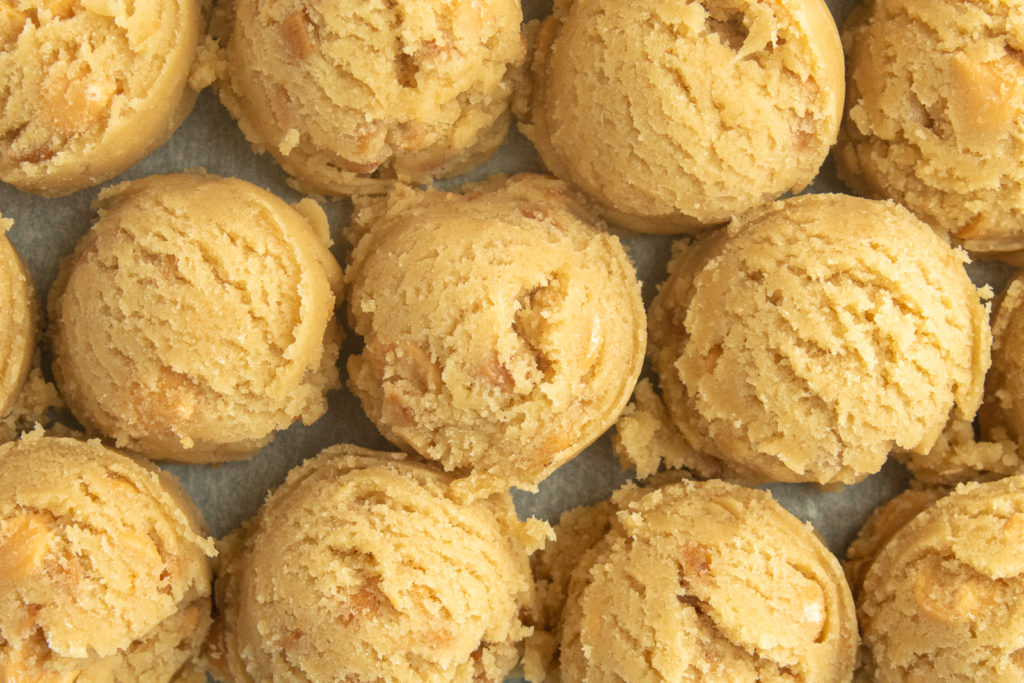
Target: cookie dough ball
(196, 318)
(104, 570)
(17, 322)
(422, 588)
(91, 86)
(1002, 416)
(812, 336)
(503, 332)
(344, 94)
(943, 599)
(704, 581)
(935, 115)
(678, 114)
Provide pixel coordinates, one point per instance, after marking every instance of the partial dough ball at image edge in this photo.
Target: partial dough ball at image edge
(17, 321)
(90, 88)
(423, 587)
(196, 318)
(103, 564)
(678, 115)
(503, 332)
(350, 97)
(813, 336)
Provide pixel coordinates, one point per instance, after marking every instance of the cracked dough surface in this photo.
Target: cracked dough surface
(674, 115)
(811, 337)
(942, 599)
(17, 322)
(423, 588)
(103, 566)
(91, 86)
(698, 581)
(344, 94)
(196, 317)
(503, 331)
(935, 114)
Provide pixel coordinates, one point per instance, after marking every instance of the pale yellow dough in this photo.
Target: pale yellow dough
(349, 96)
(18, 322)
(91, 86)
(421, 587)
(104, 569)
(196, 318)
(503, 331)
(675, 114)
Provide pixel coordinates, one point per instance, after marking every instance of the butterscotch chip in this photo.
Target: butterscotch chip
(17, 322)
(674, 115)
(420, 587)
(941, 601)
(935, 115)
(196, 318)
(811, 337)
(91, 86)
(503, 331)
(344, 95)
(698, 581)
(104, 566)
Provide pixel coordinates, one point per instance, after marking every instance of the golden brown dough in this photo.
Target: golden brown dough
(197, 317)
(91, 86)
(503, 331)
(935, 114)
(344, 95)
(682, 113)
(422, 588)
(104, 575)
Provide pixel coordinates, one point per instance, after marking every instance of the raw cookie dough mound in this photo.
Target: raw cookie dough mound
(935, 114)
(422, 588)
(17, 322)
(503, 332)
(89, 87)
(705, 581)
(944, 599)
(812, 336)
(681, 113)
(196, 318)
(1002, 415)
(103, 566)
(344, 94)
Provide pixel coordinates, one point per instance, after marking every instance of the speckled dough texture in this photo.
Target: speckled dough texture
(697, 581)
(677, 114)
(943, 599)
(502, 331)
(91, 86)
(196, 317)
(811, 337)
(935, 114)
(345, 94)
(104, 569)
(17, 322)
(422, 588)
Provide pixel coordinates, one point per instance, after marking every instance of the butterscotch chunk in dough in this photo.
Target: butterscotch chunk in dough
(697, 581)
(682, 113)
(935, 115)
(503, 331)
(943, 599)
(196, 318)
(362, 567)
(91, 86)
(104, 567)
(346, 95)
(812, 336)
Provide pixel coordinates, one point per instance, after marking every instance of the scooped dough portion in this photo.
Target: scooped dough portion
(943, 599)
(91, 86)
(811, 337)
(503, 331)
(197, 317)
(935, 115)
(344, 95)
(675, 115)
(701, 581)
(422, 588)
(103, 566)
(18, 333)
